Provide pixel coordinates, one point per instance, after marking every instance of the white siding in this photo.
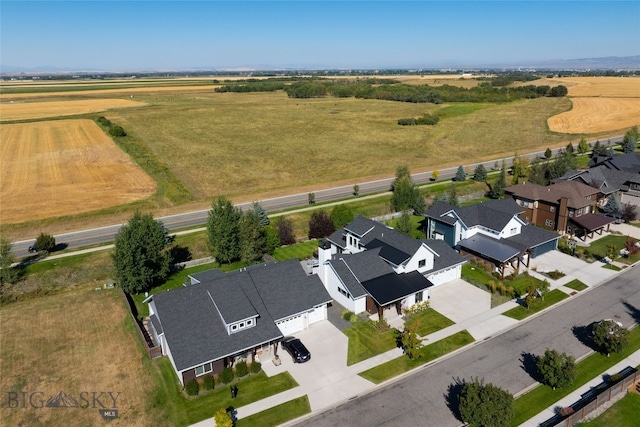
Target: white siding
(292, 325)
(317, 314)
(445, 276)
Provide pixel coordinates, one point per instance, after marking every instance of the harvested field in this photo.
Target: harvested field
(64, 167)
(592, 115)
(46, 349)
(600, 104)
(40, 110)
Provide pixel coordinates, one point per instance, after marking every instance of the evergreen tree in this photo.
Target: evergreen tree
(262, 214)
(405, 194)
(480, 173)
(497, 190)
(583, 146)
(461, 175)
(223, 231)
(548, 153)
(252, 241)
(140, 258)
(613, 205)
(452, 195)
(629, 141)
(271, 239)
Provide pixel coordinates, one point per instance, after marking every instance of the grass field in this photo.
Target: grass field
(63, 167)
(76, 341)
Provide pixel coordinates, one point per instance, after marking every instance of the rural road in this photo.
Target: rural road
(419, 398)
(102, 235)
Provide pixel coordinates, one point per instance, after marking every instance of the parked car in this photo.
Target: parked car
(296, 349)
(33, 249)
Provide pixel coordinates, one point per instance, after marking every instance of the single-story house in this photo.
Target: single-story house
(219, 318)
(368, 266)
(491, 230)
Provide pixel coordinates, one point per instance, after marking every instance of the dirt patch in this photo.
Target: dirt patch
(77, 343)
(64, 167)
(39, 110)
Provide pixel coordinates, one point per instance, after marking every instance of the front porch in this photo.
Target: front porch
(589, 226)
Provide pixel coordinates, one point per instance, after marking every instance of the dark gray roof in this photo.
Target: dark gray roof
(204, 276)
(287, 290)
(494, 214)
(360, 226)
(390, 253)
(365, 265)
(629, 162)
(531, 236)
(445, 256)
(489, 248)
(393, 287)
(195, 331)
(156, 324)
(346, 275)
(338, 238)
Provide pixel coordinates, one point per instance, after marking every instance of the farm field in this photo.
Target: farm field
(62, 167)
(40, 110)
(252, 146)
(46, 350)
(600, 104)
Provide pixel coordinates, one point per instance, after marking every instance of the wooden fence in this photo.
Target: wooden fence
(594, 398)
(153, 351)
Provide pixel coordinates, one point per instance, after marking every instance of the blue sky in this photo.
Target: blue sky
(114, 35)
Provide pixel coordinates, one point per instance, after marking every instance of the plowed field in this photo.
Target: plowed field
(63, 167)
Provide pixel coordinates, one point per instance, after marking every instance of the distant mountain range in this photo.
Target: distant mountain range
(603, 63)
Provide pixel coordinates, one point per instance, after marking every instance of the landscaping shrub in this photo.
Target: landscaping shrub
(349, 316)
(192, 387)
(208, 382)
(226, 376)
(556, 274)
(255, 367)
(241, 369)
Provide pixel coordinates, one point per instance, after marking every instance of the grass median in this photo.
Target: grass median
(551, 298)
(428, 353)
(541, 397)
(279, 414)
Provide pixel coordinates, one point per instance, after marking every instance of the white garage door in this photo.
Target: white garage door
(318, 314)
(291, 326)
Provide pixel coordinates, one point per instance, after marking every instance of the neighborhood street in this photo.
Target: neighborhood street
(419, 397)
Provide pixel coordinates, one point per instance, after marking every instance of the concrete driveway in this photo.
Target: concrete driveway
(326, 378)
(589, 274)
(459, 300)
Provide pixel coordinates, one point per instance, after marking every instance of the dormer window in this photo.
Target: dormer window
(239, 326)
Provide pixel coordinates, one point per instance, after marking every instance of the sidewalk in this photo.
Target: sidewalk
(633, 360)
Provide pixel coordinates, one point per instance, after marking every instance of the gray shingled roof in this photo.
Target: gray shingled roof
(393, 287)
(445, 257)
(494, 214)
(531, 236)
(195, 331)
(360, 226)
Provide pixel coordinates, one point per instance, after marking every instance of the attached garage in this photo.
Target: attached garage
(291, 325)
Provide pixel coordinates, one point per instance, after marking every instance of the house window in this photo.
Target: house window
(343, 292)
(513, 231)
(571, 214)
(234, 327)
(586, 209)
(552, 209)
(579, 212)
(419, 297)
(589, 197)
(422, 263)
(203, 369)
(249, 322)
(548, 222)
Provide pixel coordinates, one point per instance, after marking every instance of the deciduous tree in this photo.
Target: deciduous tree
(285, 231)
(45, 242)
(583, 146)
(223, 231)
(341, 215)
(8, 274)
(405, 194)
(496, 191)
(252, 241)
(485, 405)
(610, 336)
(320, 225)
(141, 258)
(410, 341)
(556, 369)
(404, 224)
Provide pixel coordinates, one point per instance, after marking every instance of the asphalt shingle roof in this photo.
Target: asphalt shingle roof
(194, 329)
(393, 287)
(494, 214)
(576, 192)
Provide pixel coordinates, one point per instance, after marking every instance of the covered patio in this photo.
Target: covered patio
(586, 226)
(500, 254)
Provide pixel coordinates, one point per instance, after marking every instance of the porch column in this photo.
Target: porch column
(380, 312)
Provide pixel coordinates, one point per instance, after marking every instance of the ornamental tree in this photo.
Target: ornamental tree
(610, 336)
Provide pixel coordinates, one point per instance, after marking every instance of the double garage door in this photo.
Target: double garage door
(301, 322)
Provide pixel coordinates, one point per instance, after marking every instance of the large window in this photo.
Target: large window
(203, 369)
(419, 297)
(422, 263)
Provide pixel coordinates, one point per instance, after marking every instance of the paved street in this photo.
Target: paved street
(418, 398)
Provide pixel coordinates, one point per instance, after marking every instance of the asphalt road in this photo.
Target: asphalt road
(418, 399)
(104, 235)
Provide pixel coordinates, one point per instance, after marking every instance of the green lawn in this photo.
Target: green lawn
(427, 353)
(576, 285)
(550, 298)
(611, 267)
(418, 233)
(623, 413)
(279, 414)
(541, 397)
(300, 251)
(601, 247)
(428, 321)
(365, 341)
(184, 410)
